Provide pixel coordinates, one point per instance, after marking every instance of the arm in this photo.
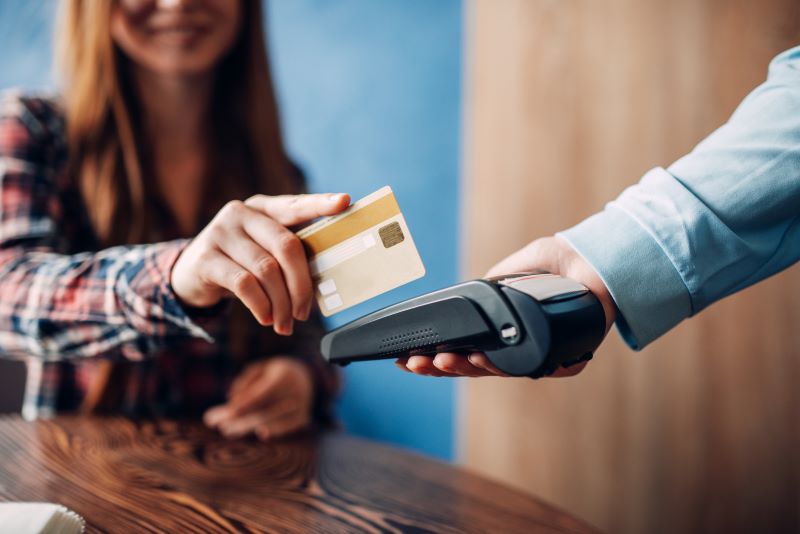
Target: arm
(69, 306)
(134, 297)
(718, 220)
(64, 306)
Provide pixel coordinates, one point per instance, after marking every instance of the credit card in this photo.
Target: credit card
(360, 253)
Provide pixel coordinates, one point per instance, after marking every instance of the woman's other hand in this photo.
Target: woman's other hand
(247, 251)
(549, 254)
(270, 398)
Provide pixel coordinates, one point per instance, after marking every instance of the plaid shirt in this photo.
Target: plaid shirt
(64, 301)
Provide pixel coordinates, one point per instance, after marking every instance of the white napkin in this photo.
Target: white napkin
(39, 518)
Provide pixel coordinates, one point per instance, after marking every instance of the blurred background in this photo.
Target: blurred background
(560, 105)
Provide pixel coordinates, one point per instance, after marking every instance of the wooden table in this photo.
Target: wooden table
(126, 476)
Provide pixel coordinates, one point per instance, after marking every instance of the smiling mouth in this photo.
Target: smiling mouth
(179, 34)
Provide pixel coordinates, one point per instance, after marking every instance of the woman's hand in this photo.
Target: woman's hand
(271, 398)
(247, 250)
(550, 254)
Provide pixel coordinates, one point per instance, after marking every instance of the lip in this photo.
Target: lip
(178, 33)
(180, 26)
(177, 23)
(177, 28)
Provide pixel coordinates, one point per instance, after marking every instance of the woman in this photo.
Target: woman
(167, 117)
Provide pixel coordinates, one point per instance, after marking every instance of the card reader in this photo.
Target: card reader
(528, 324)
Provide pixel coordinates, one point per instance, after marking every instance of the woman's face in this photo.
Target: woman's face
(176, 37)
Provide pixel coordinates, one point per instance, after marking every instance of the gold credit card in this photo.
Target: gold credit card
(361, 252)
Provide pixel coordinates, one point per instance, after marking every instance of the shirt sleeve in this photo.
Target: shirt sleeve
(57, 306)
(718, 220)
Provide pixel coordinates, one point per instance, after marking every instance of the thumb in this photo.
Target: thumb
(289, 210)
(539, 255)
(518, 262)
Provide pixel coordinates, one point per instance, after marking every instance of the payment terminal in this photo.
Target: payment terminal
(527, 324)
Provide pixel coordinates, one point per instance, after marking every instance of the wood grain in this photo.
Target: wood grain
(568, 102)
(167, 476)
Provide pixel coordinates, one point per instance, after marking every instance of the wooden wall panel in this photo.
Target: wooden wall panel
(566, 103)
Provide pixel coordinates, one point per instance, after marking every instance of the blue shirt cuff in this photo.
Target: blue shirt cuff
(648, 290)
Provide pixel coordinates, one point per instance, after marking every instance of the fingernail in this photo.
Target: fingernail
(215, 416)
(336, 197)
(285, 328)
(305, 313)
(232, 433)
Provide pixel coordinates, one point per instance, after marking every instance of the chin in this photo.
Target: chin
(183, 65)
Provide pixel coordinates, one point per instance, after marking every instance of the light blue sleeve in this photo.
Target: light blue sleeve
(720, 219)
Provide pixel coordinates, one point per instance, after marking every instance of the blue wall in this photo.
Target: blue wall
(26, 41)
(370, 96)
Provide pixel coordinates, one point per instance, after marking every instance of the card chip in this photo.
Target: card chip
(391, 234)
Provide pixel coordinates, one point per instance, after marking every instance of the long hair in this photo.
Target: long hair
(108, 155)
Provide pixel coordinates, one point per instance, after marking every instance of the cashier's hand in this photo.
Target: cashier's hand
(270, 398)
(551, 254)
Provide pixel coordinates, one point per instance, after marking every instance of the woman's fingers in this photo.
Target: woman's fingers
(259, 395)
(287, 249)
(289, 210)
(265, 268)
(280, 420)
(220, 270)
(246, 379)
(280, 267)
(248, 422)
(283, 426)
(241, 426)
(216, 415)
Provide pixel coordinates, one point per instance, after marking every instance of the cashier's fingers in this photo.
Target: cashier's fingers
(572, 370)
(478, 359)
(402, 363)
(423, 365)
(449, 365)
(458, 364)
